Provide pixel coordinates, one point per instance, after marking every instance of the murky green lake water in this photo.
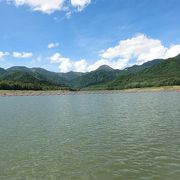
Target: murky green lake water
(90, 136)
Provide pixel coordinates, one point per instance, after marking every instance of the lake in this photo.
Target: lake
(99, 136)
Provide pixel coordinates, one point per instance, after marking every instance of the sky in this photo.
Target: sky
(81, 35)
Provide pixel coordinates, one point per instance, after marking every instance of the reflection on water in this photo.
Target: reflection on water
(91, 136)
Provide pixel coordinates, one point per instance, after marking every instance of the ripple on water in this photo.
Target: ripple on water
(90, 136)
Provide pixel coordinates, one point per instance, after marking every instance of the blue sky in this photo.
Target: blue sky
(84, 34)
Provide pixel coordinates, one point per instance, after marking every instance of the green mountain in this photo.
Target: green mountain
(20, 77)
(2, 71)
(69, 76)
(105, 68)
(153, 73)
(102, 75)
(164, 73)
(105, 74)
(48, 76)
(148, 64)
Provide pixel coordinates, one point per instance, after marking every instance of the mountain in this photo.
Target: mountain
(18, 74)
(164, 73)
(2, 71)
(157, 72)
(105, 68)
(24, 74)
(148, 64)
(20, 77)
(103, 74)
(71, 75)
(48, 76)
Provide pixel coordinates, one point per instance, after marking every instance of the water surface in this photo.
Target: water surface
(90, 136)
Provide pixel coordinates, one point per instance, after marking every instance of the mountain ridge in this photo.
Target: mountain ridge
(104, 76)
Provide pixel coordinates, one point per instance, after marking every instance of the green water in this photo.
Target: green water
(90, 136)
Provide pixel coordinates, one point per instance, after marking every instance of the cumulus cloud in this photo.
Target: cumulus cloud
(80, 4)
(67, 64)
(53, 45)
(137, 50)
(22, 55)
(141, 48)
(45, 6)
(50, 6)
(3, 54)
(172, 51)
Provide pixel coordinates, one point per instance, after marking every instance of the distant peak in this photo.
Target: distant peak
(106, 68)
(18, 68)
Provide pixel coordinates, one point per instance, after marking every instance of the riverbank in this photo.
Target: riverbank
(5, 93)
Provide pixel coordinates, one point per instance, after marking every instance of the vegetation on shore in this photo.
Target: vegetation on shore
(10, 85)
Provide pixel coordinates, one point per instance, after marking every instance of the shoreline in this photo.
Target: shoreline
(8, 93)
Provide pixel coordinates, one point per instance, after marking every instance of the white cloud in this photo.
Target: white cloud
(3, 54)
(22, 55)
(80, 4)
(50, 6)
(172, 51)
(58, 58)
(141, 48)
(80, 66)
(45, 6)
(66, 64)
(136, 50)
(53, 45)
